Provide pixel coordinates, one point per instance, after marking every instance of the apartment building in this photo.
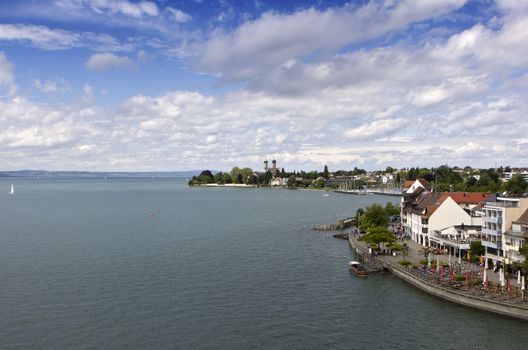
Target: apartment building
(498, 217)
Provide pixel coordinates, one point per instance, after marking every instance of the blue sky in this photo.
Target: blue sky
(178, 85)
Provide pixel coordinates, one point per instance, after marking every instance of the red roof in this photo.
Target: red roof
(408, 183)
(523, 219)
(467, 197)
(424, 182)
(458, 197)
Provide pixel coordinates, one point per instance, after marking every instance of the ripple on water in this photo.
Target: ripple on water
(84, 266)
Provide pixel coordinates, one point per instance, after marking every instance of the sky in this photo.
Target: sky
(129, 85)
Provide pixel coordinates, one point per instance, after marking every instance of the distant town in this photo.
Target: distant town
(442, 178)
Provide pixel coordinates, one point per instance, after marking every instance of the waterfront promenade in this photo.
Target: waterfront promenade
(441, 283)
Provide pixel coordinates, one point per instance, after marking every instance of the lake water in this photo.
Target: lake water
(153, 264)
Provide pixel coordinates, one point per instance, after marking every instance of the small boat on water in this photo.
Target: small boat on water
(326, 195)
(12, 189)
(357, 269)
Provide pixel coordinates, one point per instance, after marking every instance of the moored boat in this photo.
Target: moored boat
(357, 269)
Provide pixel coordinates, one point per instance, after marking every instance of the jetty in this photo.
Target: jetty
(382, 192)
(340, 224)
(500, 301)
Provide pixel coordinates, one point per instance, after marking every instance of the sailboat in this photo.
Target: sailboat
(12, 189)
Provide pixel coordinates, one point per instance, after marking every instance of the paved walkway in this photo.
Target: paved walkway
(415, 254)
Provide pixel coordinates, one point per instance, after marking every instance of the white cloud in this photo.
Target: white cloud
(40, 36)
(7, 76)
(88, 94)
(178, 15)
(124, 7)
(105, 61)
(456, 96)
(274, 38)
(45, 38)
(28, 127)
(52, 86)
(379, 128)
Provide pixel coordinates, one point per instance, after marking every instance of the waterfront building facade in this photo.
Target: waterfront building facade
(516, 238)
(426, 213)
(498, 217)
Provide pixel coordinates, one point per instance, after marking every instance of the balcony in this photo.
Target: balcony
(493, 219)
(452, 241)
(511, 247)
(488, 231)
(494, 245)
(502, 204)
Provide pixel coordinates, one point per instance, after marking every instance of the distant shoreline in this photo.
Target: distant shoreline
(45, 174)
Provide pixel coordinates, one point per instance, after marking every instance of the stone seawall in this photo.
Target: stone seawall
(516, 311)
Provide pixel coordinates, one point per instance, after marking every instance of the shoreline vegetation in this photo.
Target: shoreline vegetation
(441, 179)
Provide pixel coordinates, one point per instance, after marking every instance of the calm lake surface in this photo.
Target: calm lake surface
(83, 265)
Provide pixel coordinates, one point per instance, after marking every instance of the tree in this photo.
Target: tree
(219, 178)
(389, 170)
(524, 251)
(471, 182)
(476, 248)
(517, 185)
(245, 174)
(375, 216)
(207, 173)
(227, 178)
(357, 218)
(319, 183)
(266, 178)
(325, 172)
(378, 235)
(391, 209)
(252, 180)
(291, 181)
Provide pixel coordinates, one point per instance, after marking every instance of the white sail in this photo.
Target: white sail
(12, 189)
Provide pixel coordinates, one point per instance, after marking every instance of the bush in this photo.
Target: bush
(460, 278)
(477, 282)
(405, 263)
(423, 262)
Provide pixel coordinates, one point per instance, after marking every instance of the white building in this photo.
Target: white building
(506, 176)
(279, 181)
(497, 219)
(456, 238)
(424, 213)
(411, 186)
(516, 238)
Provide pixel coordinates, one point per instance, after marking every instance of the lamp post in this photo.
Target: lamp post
(405, 249)
(506, 271)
